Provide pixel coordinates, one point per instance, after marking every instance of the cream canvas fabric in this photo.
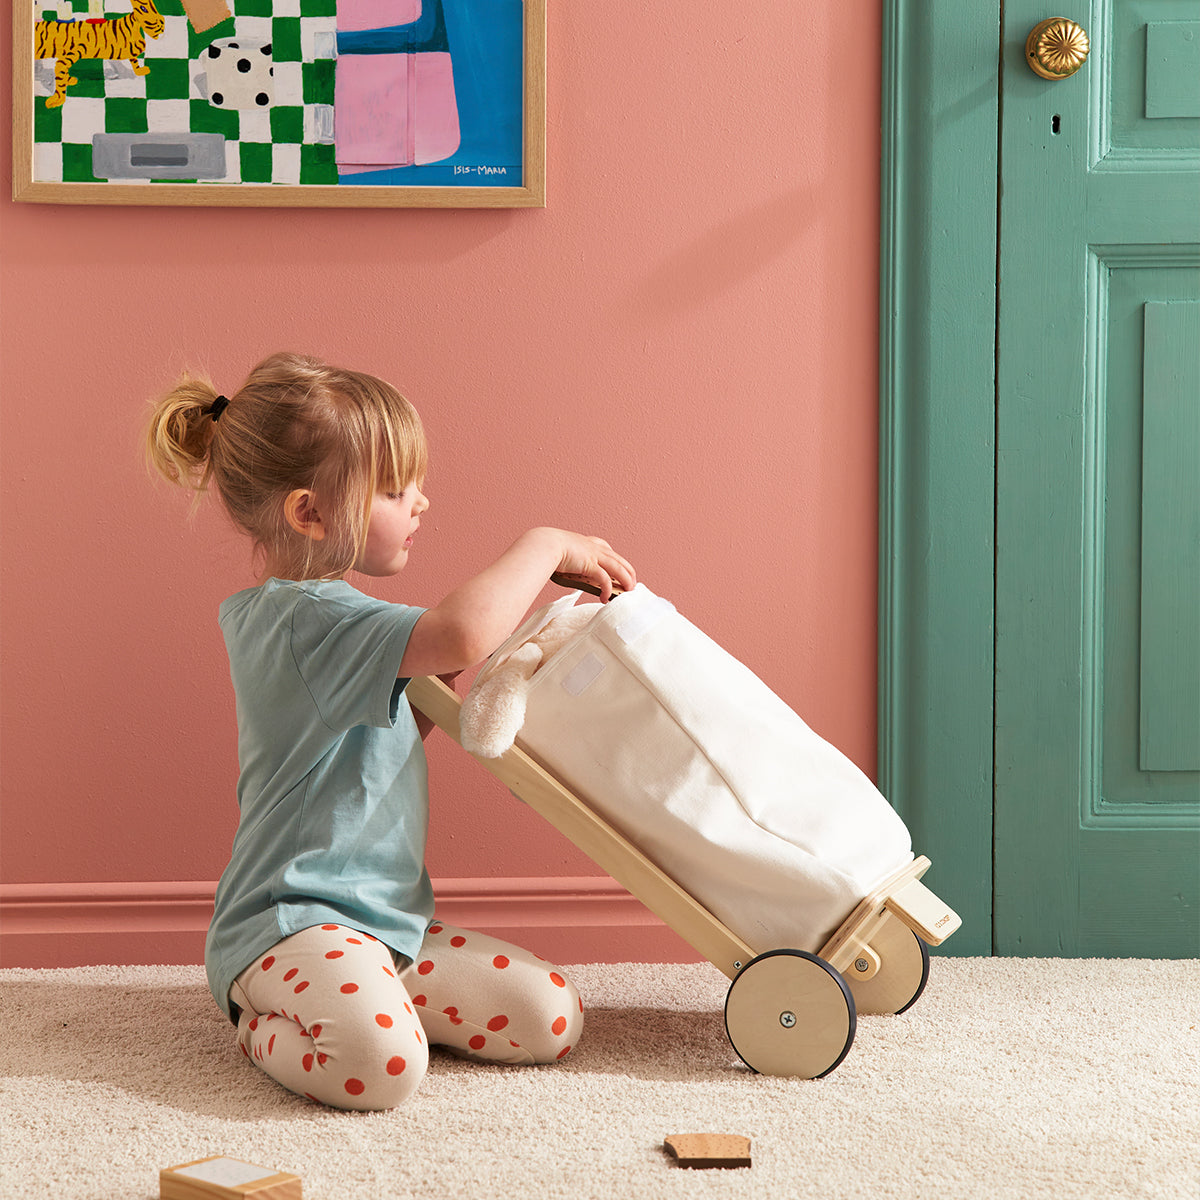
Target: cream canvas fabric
(694, 759)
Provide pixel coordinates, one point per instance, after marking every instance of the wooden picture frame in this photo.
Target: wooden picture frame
(97, 116)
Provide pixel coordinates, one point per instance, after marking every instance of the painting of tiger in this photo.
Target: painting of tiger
(116, 38)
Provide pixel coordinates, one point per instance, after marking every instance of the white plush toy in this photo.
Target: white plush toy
(494, 709)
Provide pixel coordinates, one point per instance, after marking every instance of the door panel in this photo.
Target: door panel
(1148, 534)
(1169, 679)
(1097, 787)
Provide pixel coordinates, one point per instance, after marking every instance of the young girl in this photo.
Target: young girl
(323, 949)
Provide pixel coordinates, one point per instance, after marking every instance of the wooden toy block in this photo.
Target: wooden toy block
(699, 1150)
(220, 1178)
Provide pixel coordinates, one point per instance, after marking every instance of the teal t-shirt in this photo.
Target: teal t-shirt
(332, 790)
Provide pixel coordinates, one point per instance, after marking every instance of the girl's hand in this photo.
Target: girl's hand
(478, 615)
(593, 560)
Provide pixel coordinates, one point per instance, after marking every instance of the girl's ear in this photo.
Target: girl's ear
(300, 512)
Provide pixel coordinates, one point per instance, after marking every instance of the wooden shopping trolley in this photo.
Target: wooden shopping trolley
(787, 1011)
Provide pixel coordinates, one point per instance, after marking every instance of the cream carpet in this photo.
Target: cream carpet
(1008, 1078)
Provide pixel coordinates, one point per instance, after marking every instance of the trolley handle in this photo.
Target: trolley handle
(581, 583)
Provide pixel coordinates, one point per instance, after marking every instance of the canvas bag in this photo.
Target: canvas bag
(711, 775)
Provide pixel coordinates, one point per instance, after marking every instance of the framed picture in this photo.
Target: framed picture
(333, 103)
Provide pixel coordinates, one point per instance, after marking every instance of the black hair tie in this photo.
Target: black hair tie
(219, 405)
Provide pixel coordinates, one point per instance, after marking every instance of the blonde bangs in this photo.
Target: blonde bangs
(401, 455)
(395, 453)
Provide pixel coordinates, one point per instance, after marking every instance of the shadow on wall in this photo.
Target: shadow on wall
(724, 257)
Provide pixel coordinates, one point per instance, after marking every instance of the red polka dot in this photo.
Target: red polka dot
(322, 1059)
(268, 962)
(407, 1009)
(355, 1087)
(435, 928)
(354, 941)
(254, 1024)
(316, 1031)
(418, 1033)
(291, 975)
(388, 973)
(383, 1021)
(396, 1065)
(425, 967)
(497, 1023)
(477, 1042)
(420, 1001)
(330, 927)
(307, 1062)
(452, 1013)
(349, 988)
(458, 941)
(271, 1045)
(559, 1026)
(300, 987)
(564, 1052)
(557, 979)
(335, 954)
(499, 962)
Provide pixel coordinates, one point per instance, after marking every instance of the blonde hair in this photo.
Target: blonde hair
(296, 423)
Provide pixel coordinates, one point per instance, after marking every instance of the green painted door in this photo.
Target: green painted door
(1097, 557)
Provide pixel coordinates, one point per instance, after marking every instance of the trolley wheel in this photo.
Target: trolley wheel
(902, 975)
(789, 1012)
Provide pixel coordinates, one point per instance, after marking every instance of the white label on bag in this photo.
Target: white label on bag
(643, 618)
(582, 675)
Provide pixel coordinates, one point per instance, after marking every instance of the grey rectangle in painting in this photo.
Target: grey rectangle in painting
(158, 156)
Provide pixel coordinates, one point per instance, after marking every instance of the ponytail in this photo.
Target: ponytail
(180, 433)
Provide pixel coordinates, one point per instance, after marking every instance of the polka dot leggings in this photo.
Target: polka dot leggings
(328, 1013)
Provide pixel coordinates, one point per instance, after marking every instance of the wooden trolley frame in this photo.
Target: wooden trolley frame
(883, 966)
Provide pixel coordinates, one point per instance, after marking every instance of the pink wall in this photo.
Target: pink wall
(679, 352)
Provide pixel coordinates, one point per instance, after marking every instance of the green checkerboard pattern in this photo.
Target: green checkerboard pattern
(278, 144)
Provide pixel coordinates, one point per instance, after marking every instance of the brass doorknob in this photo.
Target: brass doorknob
(1056, 48)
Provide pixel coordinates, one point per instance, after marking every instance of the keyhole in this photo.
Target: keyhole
(1056, 124)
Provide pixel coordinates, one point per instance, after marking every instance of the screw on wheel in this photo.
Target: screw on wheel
(789, 1012)
(903, 971)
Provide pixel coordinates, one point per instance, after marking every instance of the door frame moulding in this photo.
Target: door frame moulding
(940, 111)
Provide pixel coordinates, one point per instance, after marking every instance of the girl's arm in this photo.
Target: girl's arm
(476, 617)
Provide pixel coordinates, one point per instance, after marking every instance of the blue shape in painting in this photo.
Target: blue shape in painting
(486, 43)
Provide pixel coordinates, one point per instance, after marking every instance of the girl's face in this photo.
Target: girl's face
(394, 520)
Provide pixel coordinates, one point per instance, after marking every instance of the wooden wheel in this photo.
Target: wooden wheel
(902, 975)
(790, 1013)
